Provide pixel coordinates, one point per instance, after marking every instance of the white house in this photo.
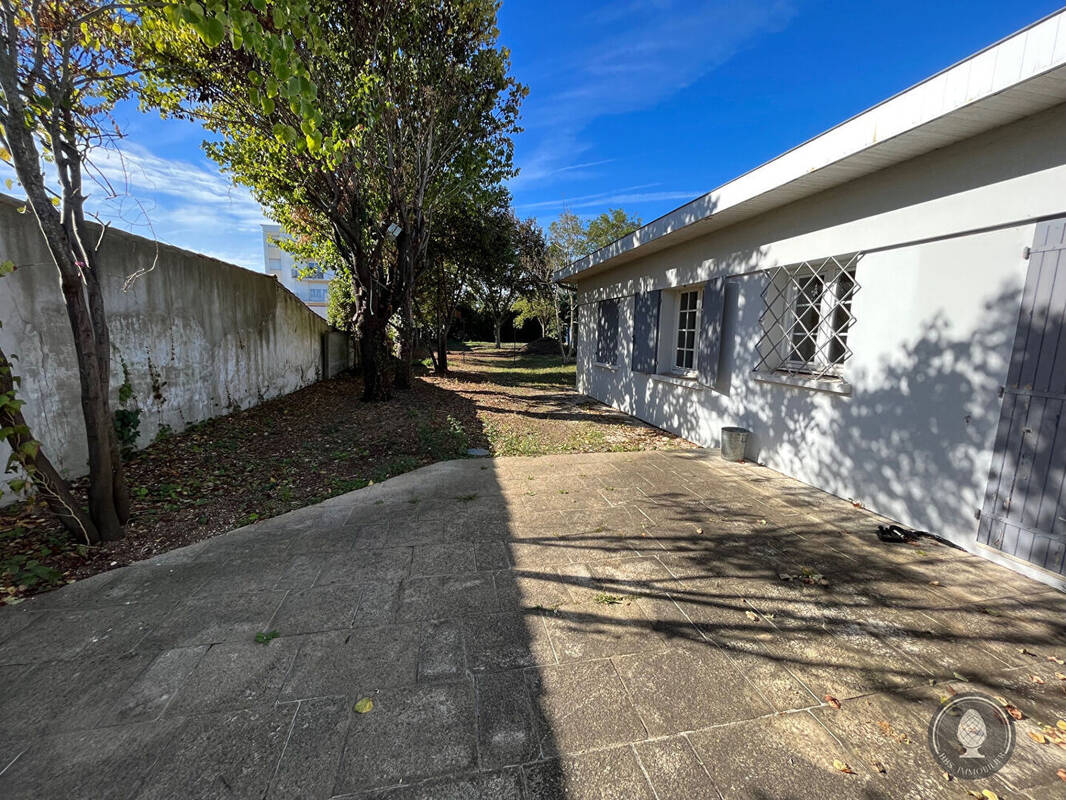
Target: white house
(307, 281)
(882, 307)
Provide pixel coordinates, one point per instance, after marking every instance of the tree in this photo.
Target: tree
(607, 228)
(419, 110)
(569, 240)
(537, 300)
(63, 66)
(497, 278)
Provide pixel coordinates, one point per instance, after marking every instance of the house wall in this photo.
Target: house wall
(940, 284)
(197, 337)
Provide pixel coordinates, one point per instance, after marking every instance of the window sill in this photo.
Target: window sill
(609, 367)
(830, 385)
(676, 380)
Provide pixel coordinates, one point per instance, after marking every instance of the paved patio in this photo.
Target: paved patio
(593, 626)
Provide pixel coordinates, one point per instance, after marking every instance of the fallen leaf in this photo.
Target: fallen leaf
(1014, 711)
(990, 795)
(1061, 725)
(1025, 651)
(1062, 774)
(958, 677)
(1056, 659)
(699, 530)
(842, 766)
(832, 701)
(880, 767)
(751, 615)
(364, 705)
(934, 583)
(1039, 738)
(1061, 676)
(1036, 679)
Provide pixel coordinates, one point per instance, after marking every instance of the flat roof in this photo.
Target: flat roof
(1011, 79)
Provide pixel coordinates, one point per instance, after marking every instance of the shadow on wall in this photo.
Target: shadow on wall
(912, 442)
(908, 443)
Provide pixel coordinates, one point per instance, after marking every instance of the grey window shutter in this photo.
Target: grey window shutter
(607, 332)
(646, 330)
(710, 338)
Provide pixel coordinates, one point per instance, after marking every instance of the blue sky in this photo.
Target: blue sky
(642, 104)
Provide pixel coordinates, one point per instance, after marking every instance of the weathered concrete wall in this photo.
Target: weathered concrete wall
(936, 311)
(197, 337)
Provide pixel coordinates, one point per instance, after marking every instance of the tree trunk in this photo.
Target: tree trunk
(45, 478)
(407, 342)
(374, 353)
(442, 350)
(64, 237)
(496, 326)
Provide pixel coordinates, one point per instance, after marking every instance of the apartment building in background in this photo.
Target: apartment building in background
(312, 288)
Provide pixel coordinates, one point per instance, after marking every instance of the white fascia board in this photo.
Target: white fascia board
(966, 89)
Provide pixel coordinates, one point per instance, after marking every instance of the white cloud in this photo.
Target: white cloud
(645, 51)
(188, 205)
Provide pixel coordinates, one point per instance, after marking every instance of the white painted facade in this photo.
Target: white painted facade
(939, 190)
(312, 289)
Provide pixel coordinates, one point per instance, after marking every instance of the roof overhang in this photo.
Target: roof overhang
(1014, 78)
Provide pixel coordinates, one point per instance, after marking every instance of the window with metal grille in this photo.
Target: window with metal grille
(806, 317)
(687, 313)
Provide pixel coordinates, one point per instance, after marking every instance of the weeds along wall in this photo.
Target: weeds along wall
(192, 338)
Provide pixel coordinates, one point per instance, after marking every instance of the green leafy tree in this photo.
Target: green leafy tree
(420, 110)
(570, 239)
(63, 66)
(608, 227)
(497, 278)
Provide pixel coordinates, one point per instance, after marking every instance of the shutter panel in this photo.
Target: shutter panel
(607, 332)
(646, 330)
(710, 336)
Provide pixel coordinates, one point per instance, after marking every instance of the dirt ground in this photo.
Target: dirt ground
(319, 442)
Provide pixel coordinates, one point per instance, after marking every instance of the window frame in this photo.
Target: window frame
(822, 324)
(675, 348)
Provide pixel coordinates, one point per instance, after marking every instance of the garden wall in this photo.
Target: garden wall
(194, 337)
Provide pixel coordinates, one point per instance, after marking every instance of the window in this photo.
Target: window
(607, 332)
(687, 313)
(807, 317)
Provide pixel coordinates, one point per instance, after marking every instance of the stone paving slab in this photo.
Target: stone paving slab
(614, 625)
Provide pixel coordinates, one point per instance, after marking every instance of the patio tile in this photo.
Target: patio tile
(57, 696)
(411, 734)
(674, 769)
(353, 663)
(235, 675)
(781, 758)
(232, 754)
(506, 641)
(148, 696)
(507, 721)
(441, 654)
(446, 596)
(209, 620)
(443, 559)
(683, 690)
(356, 568)
(582, 707)
(606, 775)
(106, 764)
(326, 608)
(504, 785)
(312, 752)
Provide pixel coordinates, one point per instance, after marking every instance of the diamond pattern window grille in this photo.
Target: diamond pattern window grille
(806, 317)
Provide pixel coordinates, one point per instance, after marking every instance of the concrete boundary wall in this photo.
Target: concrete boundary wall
(195, 337)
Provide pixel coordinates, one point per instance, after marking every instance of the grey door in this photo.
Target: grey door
(1024, 513)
